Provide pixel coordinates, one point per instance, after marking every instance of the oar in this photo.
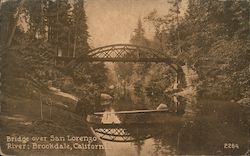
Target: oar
(133, 112)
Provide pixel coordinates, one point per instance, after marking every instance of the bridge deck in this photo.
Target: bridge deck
(156, 60)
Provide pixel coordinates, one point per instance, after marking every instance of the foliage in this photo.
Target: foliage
(152, 78)
(138, 38)
(6, 20)
(53, 26)
(90, 73)
(212, 38)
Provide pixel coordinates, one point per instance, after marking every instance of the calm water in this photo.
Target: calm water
(188, 129)
(194, 127)
(157, 140)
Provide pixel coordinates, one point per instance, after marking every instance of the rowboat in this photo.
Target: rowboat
(135, 117)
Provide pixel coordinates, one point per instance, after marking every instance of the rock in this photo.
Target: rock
(112, 87)
(49, 83)
(106, 103)
(162, 106)
(244, 101)
(54, 89)
(106, 97)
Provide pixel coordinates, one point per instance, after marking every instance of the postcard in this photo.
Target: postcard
(124, 77)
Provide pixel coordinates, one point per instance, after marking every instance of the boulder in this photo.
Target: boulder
(112, 87)
(105, 97)
(162, 106)
(244, 101)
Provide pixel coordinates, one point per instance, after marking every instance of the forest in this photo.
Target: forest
(212, 41)
(212, 38)
(33, 33)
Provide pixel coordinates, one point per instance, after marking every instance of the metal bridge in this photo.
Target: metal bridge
(119, 53)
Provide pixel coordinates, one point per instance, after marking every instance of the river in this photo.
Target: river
(163, 140)
(194, 126)
(156, 141)
(204, 130)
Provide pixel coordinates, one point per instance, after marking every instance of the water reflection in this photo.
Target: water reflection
(138, 140)
(126, 133)
(155, 134)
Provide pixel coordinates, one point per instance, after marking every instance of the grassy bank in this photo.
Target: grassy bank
(21, 116)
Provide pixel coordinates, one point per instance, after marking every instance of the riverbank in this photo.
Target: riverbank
(215, 127)
(220, 127)
(21, 117)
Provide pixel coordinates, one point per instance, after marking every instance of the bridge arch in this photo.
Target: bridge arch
(127, 53)
(124, 53)
(120, 53)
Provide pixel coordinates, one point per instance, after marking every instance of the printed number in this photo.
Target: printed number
(231, 146)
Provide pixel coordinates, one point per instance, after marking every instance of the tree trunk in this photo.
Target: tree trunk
(15, 23)
(57, 20)
(178, 31)
(0, 4)
(68, 45)
(1, 27)
(74, 50)
(49, 32)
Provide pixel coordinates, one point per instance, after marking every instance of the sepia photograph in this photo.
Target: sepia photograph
(124, 77)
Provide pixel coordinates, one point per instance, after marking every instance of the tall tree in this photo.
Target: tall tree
(9, 19)
(138, 38)
(80, 29)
